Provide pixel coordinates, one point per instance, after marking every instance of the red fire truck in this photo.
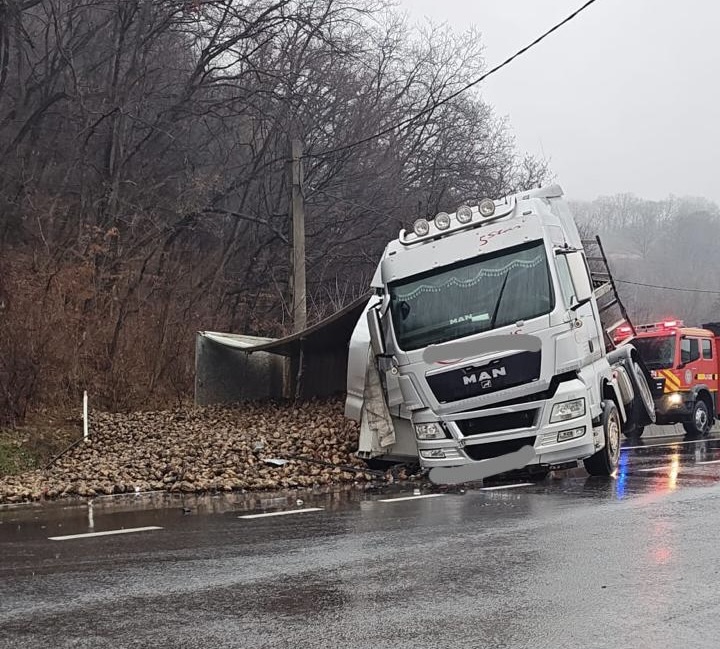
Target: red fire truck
(685, 366)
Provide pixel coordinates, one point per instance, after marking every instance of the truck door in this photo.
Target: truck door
(588, 335)
(691, 362)
(709, 374)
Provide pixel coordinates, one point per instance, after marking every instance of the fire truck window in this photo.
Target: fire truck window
(706, 348)
(689, 350)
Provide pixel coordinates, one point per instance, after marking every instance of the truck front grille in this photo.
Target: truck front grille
(496, 423)
(496, 449)
(485, 378)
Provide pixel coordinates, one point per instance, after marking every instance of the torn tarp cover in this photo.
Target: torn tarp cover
(333, 332)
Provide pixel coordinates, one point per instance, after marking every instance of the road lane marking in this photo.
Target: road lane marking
(283, 513)
(692, 441)
(88, 535)
(507, 486)
(130, 494)
(397, 500)
(658, 468)
(708, 462)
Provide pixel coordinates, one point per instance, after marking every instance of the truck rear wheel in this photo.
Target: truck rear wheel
(605, 461)
(699, 423)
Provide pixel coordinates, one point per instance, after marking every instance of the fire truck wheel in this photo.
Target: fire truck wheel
(699, 423)
(605, 461)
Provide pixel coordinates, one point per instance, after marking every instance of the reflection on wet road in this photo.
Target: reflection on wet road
(571, 561)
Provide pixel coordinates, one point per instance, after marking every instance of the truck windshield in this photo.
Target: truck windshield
(472, 296)
(658, 352)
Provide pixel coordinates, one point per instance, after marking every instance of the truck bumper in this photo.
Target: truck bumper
(552, 442)
(674, 407)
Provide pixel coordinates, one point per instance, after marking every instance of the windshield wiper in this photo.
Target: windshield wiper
(497, 304)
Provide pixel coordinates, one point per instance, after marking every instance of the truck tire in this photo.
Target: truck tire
(605, 461)
(642, 411)
(699, 423)
(643, 390)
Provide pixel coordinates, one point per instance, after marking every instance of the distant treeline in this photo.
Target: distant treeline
(673, 244)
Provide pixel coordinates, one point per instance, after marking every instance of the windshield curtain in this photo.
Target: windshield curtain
(472, 296)
(658, 352)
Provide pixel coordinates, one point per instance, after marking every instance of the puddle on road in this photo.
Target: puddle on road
(329, 498)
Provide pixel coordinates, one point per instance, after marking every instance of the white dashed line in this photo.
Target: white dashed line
(692, 441)
(507, 486)
(709, 462)
(88, 535)
(283, 513)
(658, 468)
(397, 500)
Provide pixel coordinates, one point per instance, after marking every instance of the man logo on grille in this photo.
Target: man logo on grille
(484, 377)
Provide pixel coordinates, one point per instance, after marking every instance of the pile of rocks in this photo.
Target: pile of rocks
(201, 450)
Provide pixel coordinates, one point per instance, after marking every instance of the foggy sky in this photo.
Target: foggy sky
(621, 99)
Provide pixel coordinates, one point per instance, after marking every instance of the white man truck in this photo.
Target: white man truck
(486, 333)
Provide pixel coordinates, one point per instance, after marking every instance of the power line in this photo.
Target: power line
(452, 96)
(365, 208)
(668, 288)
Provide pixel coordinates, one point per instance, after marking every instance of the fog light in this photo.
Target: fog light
(565, 435)
(433, 454)
(429, 431)
(567, 410)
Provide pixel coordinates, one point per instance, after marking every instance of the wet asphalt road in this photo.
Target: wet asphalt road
(570, 562)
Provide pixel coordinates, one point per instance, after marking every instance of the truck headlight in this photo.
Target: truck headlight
(567, 410)
(675, 399)
(429, 431)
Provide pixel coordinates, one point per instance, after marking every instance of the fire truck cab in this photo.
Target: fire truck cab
(684, 364)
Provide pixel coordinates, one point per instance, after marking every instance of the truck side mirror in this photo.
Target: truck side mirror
(580, 278)
(377, 339)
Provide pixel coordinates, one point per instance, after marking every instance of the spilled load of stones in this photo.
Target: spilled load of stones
(251, 447)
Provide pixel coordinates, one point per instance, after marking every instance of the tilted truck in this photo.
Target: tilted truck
(431, 375)
(685, 367)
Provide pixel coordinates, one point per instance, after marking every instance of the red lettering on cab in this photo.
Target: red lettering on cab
(485, 238)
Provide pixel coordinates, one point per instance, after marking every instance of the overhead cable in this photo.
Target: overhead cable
(452, 96)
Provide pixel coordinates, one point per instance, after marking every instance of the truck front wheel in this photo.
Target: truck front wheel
(699, 423)
(605, 461)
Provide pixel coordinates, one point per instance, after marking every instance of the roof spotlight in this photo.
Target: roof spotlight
(487, 207)
(464, 214)
(421, 227)
(442, 221)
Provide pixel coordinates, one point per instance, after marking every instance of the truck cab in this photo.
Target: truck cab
(485, 337)
(684, 364)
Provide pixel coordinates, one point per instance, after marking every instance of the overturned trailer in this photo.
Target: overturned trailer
(232, 368)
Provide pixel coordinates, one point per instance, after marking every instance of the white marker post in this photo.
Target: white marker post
(85, 415)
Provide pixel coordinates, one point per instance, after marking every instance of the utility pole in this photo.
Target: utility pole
(297, 254)
(298, 296)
